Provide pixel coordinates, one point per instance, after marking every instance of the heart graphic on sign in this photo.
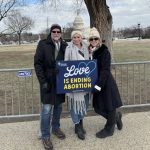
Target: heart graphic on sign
(91, 65)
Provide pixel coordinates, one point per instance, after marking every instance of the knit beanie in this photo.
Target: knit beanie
(55, 26)
(76, 32)
(94, 33)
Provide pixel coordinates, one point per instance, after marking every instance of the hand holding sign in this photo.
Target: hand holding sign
(55, 71)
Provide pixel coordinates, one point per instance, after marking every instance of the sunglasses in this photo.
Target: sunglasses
(56, 32)
(91, 39)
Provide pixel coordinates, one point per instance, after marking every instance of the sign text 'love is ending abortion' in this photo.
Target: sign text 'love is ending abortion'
(76, 76)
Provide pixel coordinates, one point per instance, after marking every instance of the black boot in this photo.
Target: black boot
(119, 121)
(106, 132)
(81, 124)
(79, 132)
(109, 126)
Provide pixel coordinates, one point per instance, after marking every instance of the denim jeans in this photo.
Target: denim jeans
(77, 117)
(47, 116)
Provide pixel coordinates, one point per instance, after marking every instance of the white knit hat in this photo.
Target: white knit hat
(94, 33)
(76, 32)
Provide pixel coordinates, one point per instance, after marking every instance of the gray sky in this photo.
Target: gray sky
(125, 13)
(130, 12)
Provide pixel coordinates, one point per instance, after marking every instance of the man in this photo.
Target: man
(47, 53)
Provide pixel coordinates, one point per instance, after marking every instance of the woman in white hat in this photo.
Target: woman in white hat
(106, 97)
(78, 101)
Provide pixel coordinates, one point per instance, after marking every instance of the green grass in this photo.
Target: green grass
(14, 56)
(127, 50)
(14, 90)
(17, 56)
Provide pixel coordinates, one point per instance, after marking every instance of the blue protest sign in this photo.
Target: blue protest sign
(24, 73)
(76, 76)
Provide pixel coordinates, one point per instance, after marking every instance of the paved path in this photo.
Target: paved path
(134, 136)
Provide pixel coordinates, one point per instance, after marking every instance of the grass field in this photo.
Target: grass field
(14, 56)
(131, 50)
(21, 95)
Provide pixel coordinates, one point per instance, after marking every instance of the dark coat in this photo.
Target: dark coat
(45, 64)
(108, 98)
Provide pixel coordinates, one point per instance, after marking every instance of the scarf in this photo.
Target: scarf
(77, 100)
(57, 47)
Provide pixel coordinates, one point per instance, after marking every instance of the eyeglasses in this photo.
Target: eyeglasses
(56, 32)
(91, 39)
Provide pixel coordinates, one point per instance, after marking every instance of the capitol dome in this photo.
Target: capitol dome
(78, 23)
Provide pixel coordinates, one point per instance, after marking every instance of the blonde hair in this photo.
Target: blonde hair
(76, 32)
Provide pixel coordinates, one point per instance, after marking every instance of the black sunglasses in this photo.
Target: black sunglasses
(56, 32)
(91, 39)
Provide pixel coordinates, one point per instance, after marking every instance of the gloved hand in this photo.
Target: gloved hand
(46, 87)
(96, 89)
(55, 71)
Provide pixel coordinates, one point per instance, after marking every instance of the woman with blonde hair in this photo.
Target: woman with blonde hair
(106, 97)
(78, 101)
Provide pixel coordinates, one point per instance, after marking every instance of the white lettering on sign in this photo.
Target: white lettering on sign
(71, 71)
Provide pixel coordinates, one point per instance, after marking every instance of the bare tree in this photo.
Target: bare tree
(53, 3)
(67, 30)
(5, 7)
(17, 23)
(78, 6)
(100, 17)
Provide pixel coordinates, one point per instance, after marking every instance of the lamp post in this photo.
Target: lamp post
(63, 32)
(139, 31)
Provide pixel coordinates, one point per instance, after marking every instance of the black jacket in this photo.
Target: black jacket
(108, 98)
(45, 64)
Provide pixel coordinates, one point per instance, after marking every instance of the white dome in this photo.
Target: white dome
(78, 23)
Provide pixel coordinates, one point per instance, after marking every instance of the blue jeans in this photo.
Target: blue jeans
(77, 117)
(47, 116)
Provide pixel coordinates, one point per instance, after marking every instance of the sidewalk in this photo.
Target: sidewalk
(134, 136)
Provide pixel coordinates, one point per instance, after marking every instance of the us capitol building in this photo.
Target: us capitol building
(78, 24)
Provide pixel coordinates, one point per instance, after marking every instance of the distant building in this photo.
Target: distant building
(78, 24)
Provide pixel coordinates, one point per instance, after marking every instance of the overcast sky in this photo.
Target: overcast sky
(125, 13)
